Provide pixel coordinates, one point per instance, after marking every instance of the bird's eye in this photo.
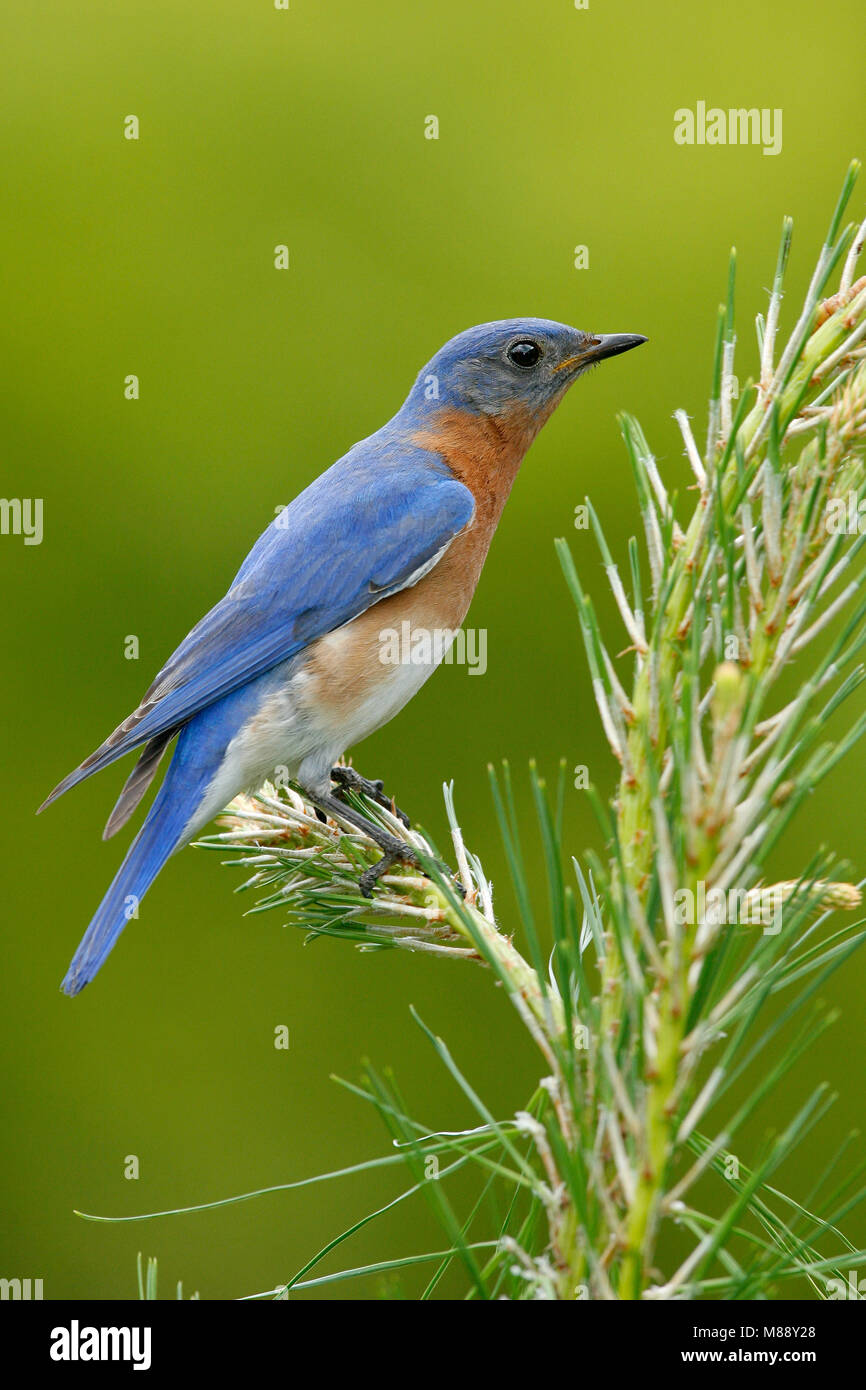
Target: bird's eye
(524, 354)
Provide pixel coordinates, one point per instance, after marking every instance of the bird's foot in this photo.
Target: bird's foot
(347, 779)
(394, 851)
(398, 853)
(402, 854)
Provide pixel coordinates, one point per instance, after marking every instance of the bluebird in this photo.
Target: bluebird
(285, 671)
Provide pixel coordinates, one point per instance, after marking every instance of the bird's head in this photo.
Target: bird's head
(513, 365)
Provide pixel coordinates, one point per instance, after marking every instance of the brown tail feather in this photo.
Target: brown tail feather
(137, 782)
(107, 753)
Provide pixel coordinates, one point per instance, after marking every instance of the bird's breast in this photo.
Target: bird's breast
(485, 452)
(364, 672)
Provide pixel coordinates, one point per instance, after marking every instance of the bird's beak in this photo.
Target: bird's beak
(601, 346)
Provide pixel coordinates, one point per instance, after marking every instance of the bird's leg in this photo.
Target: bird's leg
(395, 855)
(394, 851)
(350, 780)
(370, 877)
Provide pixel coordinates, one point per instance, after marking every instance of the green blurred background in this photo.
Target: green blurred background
(155, 257)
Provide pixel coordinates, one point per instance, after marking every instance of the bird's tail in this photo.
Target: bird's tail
(161, 834)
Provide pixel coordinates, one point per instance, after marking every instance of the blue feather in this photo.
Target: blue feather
(197, 757)
(354, 536)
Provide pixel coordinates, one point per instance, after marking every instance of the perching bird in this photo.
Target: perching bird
(286, 670)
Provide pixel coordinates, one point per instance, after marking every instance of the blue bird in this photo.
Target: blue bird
(286, 670)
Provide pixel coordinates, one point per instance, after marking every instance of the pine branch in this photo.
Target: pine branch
(668, 950)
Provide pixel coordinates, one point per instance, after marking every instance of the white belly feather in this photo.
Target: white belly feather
(299, 732)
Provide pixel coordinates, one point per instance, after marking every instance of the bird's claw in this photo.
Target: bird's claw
(347, 779)
(404, 855)
(401, 854)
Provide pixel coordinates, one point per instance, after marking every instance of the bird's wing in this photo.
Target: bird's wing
(356, 535)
